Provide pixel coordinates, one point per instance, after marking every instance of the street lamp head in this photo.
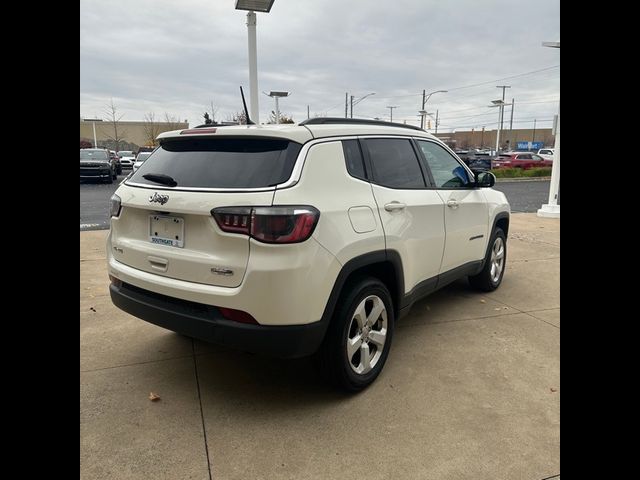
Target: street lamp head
(254, 5)
(279, 94)
(551, 44)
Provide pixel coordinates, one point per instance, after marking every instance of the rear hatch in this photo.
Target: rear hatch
(170, 231)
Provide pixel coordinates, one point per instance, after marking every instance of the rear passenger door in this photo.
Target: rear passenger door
(466, 214)
(412, 215)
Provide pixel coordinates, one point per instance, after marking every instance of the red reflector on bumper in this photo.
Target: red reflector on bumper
(237, 315)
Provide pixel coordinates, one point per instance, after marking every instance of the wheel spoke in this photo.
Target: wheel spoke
(365, 361)
(493, 269)
(500, 253)
(353, 344)
(378, 337)
(378, 308)
(360, 315)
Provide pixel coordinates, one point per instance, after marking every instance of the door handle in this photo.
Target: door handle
(452, 203)
(390, 207)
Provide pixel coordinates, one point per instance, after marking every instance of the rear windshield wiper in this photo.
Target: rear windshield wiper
(160, 178)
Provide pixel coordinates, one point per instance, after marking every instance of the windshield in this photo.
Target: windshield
(143, 156)
(93, 155)
(222, 163)
(125, 153)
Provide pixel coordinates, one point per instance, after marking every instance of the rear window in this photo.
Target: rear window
(93, 155)
(222, 163)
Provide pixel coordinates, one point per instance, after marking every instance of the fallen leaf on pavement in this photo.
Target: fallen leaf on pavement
(92, 309)
(153, 397)
(482, 300)
(497, 309)
(553, 389)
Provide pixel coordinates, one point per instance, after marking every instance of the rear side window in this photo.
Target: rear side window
(394, 163)
(353, 159)
(222, 163)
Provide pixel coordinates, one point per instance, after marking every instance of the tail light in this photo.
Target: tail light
(285, 224)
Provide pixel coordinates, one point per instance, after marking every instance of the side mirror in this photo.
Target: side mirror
(485, 179)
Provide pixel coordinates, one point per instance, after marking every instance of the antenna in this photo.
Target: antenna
(246, 112)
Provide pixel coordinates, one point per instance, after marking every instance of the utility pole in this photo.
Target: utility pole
(351, 106)
(424, 100)
(503, 87)
(482, 139)
(307, 112)
(437, 121)
(346, 102)
(391, 111)
(534, 131)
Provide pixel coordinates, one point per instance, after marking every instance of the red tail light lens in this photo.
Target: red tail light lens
(286, 224)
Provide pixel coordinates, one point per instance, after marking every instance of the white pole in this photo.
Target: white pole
(253, 66)
(95, 142)
(277, 111)
(498, 128)
(552, 209)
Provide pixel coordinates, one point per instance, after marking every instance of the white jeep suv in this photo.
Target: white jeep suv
(291, 240)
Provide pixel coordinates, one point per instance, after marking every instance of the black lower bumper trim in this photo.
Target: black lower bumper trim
(205, 322)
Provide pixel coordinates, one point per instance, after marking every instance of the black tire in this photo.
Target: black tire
(335, 364)
(485, 280)
(110, 178)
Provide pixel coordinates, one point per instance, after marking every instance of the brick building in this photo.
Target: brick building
(487, 139)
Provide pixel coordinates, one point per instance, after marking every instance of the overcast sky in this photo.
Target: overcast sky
(177, 57)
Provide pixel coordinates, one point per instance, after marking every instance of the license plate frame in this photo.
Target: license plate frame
(166, 230)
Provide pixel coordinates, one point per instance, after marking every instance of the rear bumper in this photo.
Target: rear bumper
(95, 172)
(205, 322)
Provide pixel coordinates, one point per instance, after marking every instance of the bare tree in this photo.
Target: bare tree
(172, 122)
(214, 111)
(239, 117)
(113, 118)
(151, 129)
(283, 118)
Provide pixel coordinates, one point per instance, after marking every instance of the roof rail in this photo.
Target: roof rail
(355, 121)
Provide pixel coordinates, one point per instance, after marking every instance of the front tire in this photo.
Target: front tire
(358, 340)
(495, 261)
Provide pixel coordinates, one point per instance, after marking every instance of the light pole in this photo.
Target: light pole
(552, 209)
(498, 103)
(253, 6)
(359, 100)
(425, 99)
(276, 96)
(93, 122)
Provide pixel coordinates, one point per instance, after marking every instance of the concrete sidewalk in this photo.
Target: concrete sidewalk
(470, 389)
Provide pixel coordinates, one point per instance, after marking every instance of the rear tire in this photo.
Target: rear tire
(494, 264)
(359, 336)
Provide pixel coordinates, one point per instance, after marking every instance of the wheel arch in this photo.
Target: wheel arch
(385, 265)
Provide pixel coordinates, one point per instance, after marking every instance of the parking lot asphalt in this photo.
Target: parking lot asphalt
(523, 196)
(470, 389)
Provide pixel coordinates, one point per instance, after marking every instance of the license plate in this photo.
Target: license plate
(166, 230)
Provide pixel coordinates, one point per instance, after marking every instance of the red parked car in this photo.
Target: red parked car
(524, 160)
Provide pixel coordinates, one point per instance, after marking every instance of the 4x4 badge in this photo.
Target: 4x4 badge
(161, 199)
